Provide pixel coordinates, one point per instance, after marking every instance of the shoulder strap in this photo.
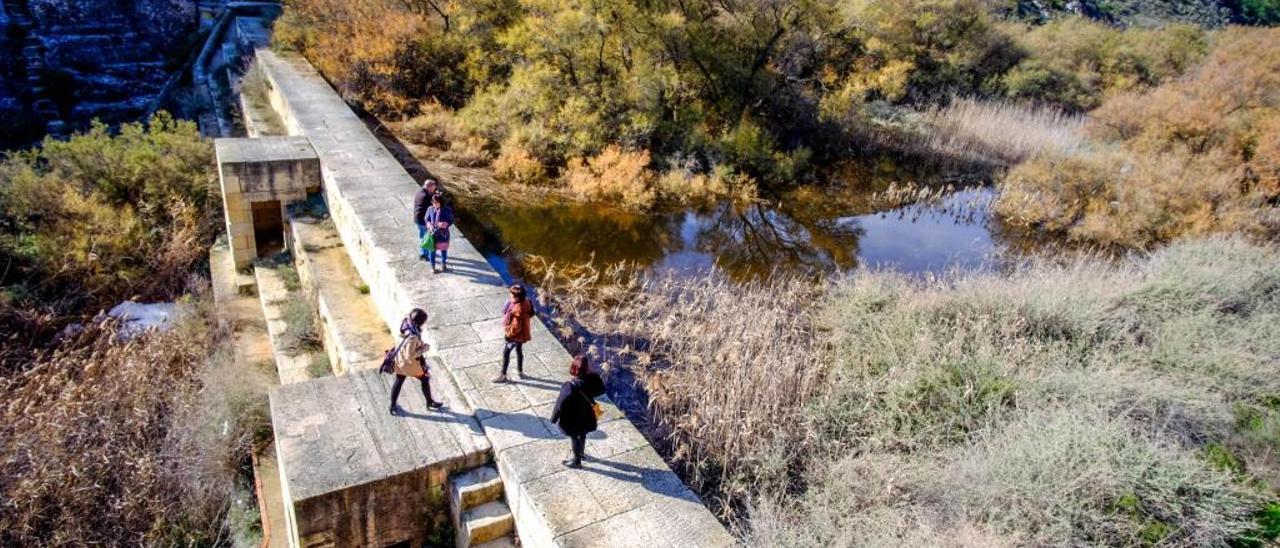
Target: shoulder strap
(581, 392)
(403, 339)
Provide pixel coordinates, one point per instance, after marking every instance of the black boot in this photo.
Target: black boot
(395, 393)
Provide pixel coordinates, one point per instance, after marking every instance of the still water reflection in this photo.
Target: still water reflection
(803, 231)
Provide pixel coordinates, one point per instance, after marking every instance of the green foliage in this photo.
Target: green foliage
(100, 217)
(1223, 459)
(1260, 12)
(319, 365)
(757, 87)
(1076, 63)
(1266, 532)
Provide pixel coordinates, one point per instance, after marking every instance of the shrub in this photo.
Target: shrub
(1191, 157)
(468, 152)
(1260, 12)
(433, 126)
(682, 185)
(922, 51)
(515, 165)
(98, 218)
(302, 328)
(614, 175)
(378, 53)
(1076, 63)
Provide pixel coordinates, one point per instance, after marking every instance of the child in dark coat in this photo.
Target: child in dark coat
(575, 408)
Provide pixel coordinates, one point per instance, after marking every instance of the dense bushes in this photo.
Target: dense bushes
(1192, 156)
(99, 218)
(773, 91)
(1075, 63)
(1076, 402)
(111, 438)
(760, 88)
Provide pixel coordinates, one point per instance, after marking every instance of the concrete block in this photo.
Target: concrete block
(564, 500)
(487, 522)
(507, 430)
(383, 477)
(475, 487)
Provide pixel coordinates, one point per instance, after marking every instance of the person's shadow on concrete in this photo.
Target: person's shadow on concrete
(655, 480)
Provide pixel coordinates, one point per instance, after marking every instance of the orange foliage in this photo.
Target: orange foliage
(359, 46)
(516, 165)
(614, 174)
(1191, 157)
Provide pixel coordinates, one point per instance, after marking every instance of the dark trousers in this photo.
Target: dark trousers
(506, 355)
(395, 389)
(579, 444)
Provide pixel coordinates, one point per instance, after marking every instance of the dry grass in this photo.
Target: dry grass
(1072, 402)
(472, 151)
(256, 90)
(724, 365)
(1000, 133)
(434, 126)
(129, 442)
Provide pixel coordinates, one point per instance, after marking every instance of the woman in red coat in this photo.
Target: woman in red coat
(517, 326)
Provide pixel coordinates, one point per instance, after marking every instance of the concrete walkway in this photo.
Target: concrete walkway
(626, 495)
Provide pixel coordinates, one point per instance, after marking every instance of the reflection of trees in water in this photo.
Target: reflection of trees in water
(753, 240)
(577, 233)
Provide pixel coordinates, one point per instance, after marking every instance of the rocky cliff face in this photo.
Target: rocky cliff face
(1144, 13)
(66, 62)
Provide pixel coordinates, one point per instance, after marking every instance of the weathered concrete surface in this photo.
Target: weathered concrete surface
(356, 476)
(354, 335)
(292, 365)
(626, 494)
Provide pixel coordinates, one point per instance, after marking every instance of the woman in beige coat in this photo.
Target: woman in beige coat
(411, 361)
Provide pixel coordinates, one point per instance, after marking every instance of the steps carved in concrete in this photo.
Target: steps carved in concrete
(479, 514)
(487, 522)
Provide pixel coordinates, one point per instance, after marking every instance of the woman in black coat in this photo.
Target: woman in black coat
(575, 408)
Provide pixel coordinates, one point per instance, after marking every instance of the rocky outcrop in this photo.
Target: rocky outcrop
(1144, 13)
(67, 62)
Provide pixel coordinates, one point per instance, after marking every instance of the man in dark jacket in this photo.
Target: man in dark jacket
(421, 201)
(575, 408)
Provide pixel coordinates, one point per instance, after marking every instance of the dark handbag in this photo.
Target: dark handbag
(389, 357)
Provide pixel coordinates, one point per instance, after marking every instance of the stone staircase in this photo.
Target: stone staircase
(480, 516)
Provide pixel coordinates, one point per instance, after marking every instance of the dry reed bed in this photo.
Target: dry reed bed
(144, 441)
(1072, 402)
